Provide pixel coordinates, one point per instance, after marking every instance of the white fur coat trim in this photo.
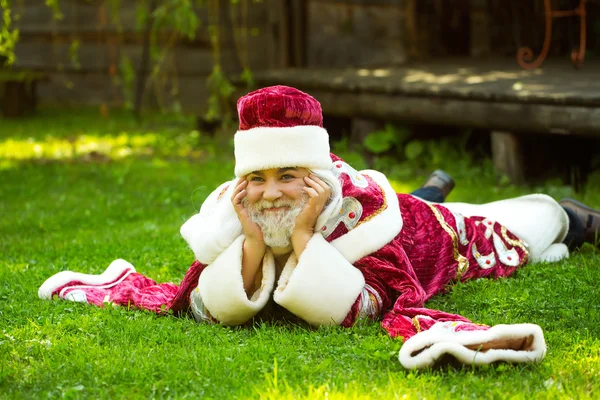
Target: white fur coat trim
(265, 147)
(222, 291)
(427, 347)
(117, 268)
(321, 287)
(372, 235)
(215, 227)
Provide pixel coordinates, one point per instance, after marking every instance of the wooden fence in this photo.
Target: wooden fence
(89, 57)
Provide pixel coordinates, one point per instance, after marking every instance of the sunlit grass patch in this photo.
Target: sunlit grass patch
(85, 136)
(53, 148)
(402, 187)
(66, 123)
(110, 147)
(90, 146)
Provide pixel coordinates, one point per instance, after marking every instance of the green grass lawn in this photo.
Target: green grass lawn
(95, 189)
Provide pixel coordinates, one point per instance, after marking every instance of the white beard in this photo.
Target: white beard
(277, 226)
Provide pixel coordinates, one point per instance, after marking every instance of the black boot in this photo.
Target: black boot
(584, 223)
(436, 188)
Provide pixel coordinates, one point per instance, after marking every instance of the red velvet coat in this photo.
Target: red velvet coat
(421, 251)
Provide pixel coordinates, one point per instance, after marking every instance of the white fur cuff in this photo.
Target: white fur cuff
(517, 343)
(222, 288)
(321, 287)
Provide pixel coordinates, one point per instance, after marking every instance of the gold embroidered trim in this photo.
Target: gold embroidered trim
(380, 210)
(416, 323)
(515, 243)
(463, 262)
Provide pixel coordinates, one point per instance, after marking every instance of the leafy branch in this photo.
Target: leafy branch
(8, 35)
(162, 25)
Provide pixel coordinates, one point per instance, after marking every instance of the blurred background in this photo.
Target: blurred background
(515, 82)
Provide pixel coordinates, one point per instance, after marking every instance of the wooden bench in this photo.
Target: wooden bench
(18, 91)
(496, 95)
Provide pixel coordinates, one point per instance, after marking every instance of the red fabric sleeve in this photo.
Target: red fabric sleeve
(181, 299)
(394, 290)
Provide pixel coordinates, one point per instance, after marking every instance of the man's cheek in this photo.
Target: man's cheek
(300, 189)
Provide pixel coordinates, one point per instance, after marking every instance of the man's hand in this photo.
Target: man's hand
(254, 245)
(251, 229)
(318, 192)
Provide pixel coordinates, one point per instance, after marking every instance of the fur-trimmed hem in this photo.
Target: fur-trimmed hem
(115, 270)
(517, 343)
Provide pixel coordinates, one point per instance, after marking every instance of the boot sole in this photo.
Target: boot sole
(566, 202)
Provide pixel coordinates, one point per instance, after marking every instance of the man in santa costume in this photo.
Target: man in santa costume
(299, 231)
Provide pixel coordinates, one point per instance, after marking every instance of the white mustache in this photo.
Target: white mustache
(264, 204)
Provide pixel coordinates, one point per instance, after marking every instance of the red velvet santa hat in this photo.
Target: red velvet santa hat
(280, 126)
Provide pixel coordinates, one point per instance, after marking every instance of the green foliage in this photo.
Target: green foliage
(126, 79)
(384, 140)
(54, 5)
(396, 143)
(8, 35)
(221, 90)
(80, 214)
(247, 77)
(178, 15)
(402, 154)
(115, 16)
(353, 156)
(413, 150)
(74, 53)
(142, 13)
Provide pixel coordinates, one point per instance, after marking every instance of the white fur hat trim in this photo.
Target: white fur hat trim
(261, 148)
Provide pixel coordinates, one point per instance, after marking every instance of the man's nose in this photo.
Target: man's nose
(272, 191)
